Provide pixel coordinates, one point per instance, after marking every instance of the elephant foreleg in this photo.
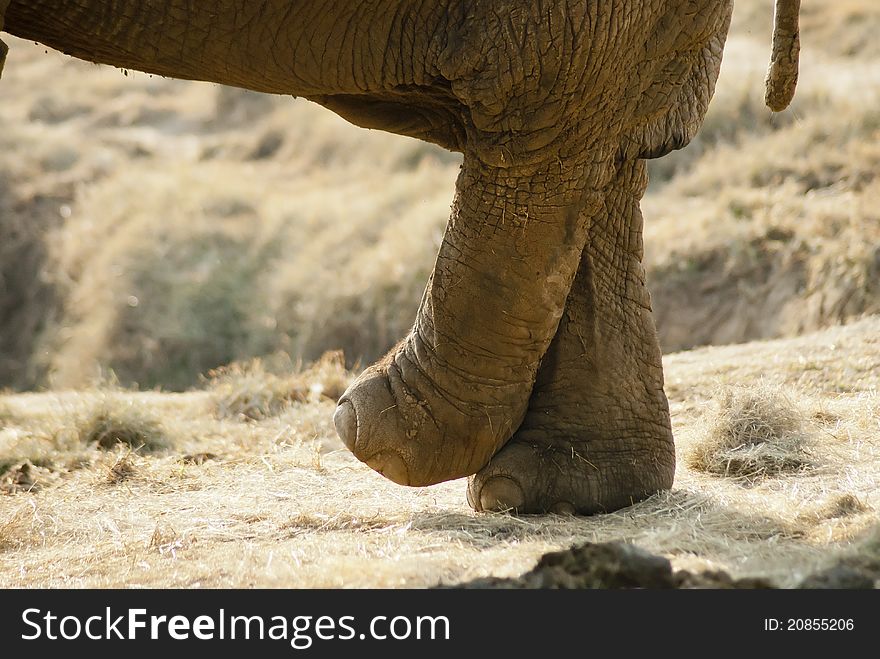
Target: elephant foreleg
(449, 396)
(597, 434)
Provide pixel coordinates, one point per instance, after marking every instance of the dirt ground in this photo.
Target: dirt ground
(228, 487)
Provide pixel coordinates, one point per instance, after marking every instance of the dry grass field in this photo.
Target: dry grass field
(164, 236)
(244, 484)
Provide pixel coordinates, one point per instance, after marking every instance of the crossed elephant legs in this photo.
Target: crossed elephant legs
(596, 436)
(593, 434)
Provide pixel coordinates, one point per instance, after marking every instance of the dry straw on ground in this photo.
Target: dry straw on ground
(755, 432)
(250, 392)
(121, 469)
(278, 502)
(111, 423)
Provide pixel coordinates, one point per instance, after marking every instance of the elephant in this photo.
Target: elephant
(533, 366)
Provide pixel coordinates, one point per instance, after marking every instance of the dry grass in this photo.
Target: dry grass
(122, 468)
(250, 392)
(120, 422)
(755, 432)
(66, 434)
(767, 225)
(278, 502)
(837, 506)
(18, 478)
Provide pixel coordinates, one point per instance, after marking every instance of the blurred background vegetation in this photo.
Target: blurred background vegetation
(152, 230)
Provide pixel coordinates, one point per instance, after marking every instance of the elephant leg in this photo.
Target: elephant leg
(597, 433)
(448, 397)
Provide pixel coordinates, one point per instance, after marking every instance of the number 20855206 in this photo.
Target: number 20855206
(808, 624)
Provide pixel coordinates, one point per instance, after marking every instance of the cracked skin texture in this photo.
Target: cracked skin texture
(532, 364)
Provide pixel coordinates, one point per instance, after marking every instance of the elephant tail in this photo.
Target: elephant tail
(783, 74)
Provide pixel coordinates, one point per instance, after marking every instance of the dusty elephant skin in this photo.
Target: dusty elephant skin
(534, 341)
(598, 385)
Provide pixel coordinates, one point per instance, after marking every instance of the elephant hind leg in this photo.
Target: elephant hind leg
(597, 434)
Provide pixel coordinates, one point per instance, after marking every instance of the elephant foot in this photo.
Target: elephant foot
(405, 426)
(589, 444)
(597, 434)
(443, 402)
(566, 476)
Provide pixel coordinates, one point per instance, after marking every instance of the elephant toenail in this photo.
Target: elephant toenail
(391, 466)
(563, 508)
(501, 493)
(471, 497)
(345, 420)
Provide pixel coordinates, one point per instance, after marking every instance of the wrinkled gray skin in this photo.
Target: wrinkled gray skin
(533, 364)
